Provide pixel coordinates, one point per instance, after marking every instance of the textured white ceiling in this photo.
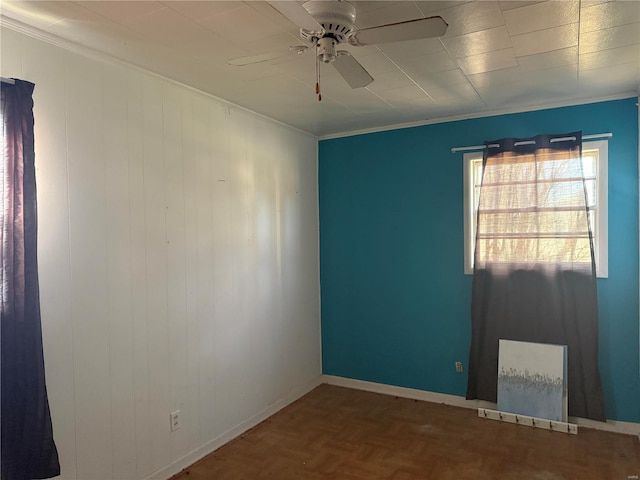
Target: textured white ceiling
(496, 55)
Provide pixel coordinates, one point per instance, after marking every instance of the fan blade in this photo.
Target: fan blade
(399, 32)
(265, 57)
(351, 70)
(297, 14)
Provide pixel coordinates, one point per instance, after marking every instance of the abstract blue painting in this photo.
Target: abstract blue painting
(532, 379)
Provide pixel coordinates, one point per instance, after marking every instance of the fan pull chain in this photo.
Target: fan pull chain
(318, 76)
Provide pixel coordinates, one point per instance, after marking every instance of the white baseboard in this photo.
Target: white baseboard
(627, 428)
(404, 392)
(192, 457)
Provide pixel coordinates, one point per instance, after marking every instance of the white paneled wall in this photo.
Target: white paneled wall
(178, 251)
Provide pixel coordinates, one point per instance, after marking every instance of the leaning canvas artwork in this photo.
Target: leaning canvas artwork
(532, 379)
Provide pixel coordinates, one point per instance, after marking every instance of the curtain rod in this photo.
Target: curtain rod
(481, 147)
(10, 81)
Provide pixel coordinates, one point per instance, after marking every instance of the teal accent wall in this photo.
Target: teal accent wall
(395, 300)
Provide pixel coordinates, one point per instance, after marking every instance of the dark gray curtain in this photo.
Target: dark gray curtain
(534, 271)
(27, 450)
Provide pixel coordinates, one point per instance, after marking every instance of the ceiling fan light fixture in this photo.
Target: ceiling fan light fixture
(326, 49)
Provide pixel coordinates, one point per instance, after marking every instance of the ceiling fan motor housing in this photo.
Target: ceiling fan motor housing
(337, 19)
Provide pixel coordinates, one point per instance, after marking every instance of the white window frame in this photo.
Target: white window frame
(601, 235)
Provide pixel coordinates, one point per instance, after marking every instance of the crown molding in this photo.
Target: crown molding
(483, 114)
(93, 54)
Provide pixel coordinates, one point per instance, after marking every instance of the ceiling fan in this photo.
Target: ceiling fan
(326, 24)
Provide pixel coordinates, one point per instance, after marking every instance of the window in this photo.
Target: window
(594, 161)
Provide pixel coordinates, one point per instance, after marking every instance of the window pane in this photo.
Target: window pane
(532, 209)
(594, 168)
(589, 165)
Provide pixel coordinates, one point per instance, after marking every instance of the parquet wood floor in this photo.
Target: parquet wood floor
(340, 433)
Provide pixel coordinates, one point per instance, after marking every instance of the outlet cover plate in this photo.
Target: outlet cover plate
(174, 418)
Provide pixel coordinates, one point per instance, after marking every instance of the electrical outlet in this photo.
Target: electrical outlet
(459, 367)
(174, 418)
